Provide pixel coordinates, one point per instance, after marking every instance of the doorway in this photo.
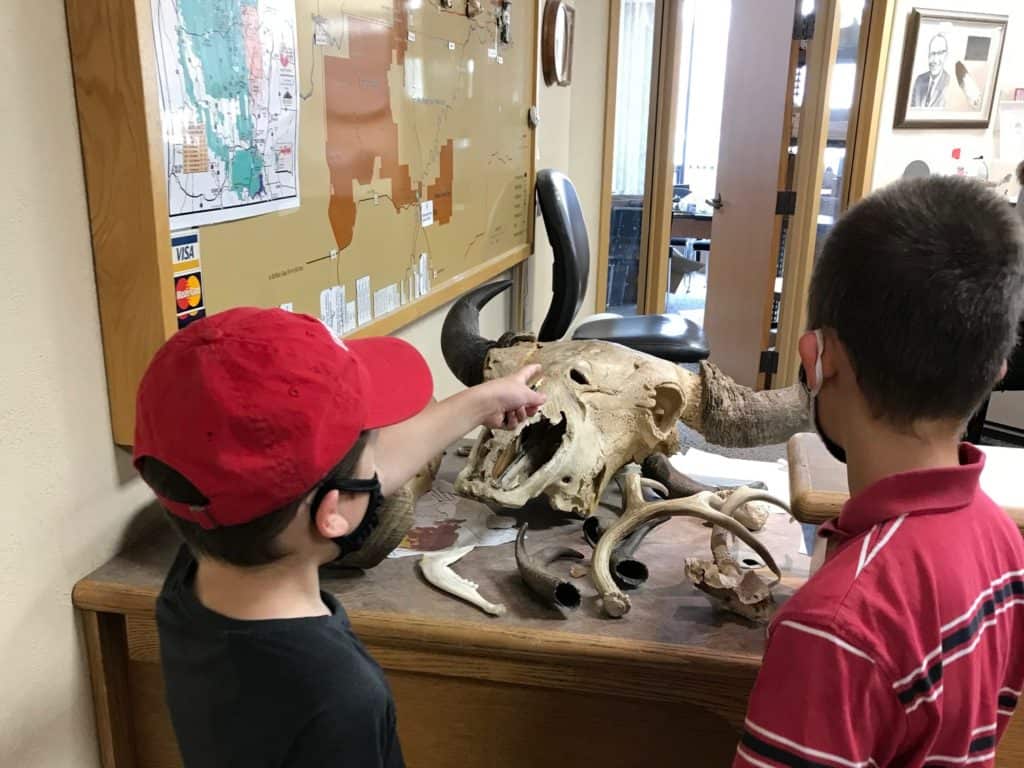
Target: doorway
(695, 239)
(706, 101)
(699, 97)
(637, 25)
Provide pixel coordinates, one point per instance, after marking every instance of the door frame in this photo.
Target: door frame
(656, 226)
(862, 133)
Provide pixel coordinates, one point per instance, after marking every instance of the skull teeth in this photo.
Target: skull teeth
(503, 461)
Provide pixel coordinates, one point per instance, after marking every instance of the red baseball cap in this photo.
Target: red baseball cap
(255, 406)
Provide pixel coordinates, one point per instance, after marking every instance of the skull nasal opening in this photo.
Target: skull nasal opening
(541, 440)
(668, 404)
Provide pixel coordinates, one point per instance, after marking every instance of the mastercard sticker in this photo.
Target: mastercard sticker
(188, 296)
(187, 317)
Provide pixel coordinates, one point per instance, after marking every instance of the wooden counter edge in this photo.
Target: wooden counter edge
(461, 637)
(817, 507)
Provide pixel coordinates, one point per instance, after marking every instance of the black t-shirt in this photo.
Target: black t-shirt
(274, 693)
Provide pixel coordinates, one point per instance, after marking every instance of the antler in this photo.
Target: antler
(704, 505)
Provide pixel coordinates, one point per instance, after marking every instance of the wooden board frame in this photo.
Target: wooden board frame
(113, 63)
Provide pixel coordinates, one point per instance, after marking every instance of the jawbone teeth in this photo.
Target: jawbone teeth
(504, 459)
(509, 479)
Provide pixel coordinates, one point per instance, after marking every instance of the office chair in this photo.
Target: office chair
(1013, 381)
(669, 337)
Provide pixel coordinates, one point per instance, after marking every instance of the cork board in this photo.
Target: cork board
(383, 144)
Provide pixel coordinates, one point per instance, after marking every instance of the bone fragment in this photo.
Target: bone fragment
(743, 592)
(704, 505)
(436, 570)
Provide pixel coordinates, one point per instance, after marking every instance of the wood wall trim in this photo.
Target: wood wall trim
(661, 138)
(608, 157)
(864, 138)
(810, 158)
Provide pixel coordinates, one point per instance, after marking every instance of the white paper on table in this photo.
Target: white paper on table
(701, 464)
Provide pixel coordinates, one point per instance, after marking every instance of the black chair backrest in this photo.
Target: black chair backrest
(567, 233)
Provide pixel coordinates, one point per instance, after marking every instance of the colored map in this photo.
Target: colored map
(414, 148)
(426, 113)
(227, 77)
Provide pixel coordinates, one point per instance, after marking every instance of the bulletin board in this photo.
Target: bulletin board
(362, 161)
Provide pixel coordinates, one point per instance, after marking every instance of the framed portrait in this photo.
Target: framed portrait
(950, 69)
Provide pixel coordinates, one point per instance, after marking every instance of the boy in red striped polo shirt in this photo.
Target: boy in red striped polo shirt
(907, 647)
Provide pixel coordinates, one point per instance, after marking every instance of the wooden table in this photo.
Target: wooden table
(667, 685)
(818, 487)
(691, 225)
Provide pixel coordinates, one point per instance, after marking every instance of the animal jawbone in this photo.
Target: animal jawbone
(436, 570)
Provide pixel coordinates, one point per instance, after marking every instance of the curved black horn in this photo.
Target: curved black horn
(463, 347)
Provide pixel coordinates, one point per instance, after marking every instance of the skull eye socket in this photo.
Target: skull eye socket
(668, 404)
(578, 376)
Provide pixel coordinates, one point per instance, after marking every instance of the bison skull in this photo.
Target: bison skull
(607, 405)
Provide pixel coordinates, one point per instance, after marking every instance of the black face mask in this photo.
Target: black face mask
(350, 542)
(835, 450)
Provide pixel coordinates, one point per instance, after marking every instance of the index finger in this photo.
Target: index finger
(527, 372)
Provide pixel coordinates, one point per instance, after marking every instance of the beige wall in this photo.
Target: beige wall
(69, 494)
(570, 139)
(896, 148)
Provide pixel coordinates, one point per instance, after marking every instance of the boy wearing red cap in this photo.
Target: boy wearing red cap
(293, 438)
(905, 648)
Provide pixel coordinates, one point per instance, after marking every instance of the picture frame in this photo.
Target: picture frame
(950, 69)
(557, 42)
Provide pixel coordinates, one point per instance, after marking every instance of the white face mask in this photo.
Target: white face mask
(818, 376)
(836, 450)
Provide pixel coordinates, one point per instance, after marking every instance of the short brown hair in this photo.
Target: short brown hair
(249, 544)
(923, 282)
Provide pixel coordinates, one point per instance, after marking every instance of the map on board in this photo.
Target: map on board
(414, 147)
(227, 79)
(423, 117)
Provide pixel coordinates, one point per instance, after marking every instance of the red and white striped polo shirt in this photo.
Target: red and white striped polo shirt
(907, 647)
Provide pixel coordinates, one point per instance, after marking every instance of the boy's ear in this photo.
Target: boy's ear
(808, 350)
(1006, 365)
(329, 520)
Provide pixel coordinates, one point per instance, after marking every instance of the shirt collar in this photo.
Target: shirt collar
(911, 493)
